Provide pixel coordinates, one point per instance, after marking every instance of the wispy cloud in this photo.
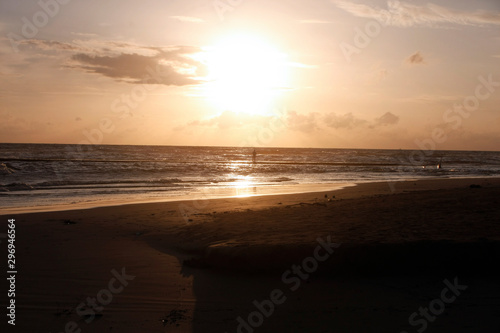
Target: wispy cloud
(403, 14)
(428, 98)
(188, 19)
(50, 45)
(84, 34)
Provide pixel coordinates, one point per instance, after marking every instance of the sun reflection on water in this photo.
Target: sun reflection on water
(244, 186)
(238, 166)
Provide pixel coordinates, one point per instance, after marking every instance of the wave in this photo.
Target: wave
(281, 179)
(15, 187)
(233, 162)
(104, 182)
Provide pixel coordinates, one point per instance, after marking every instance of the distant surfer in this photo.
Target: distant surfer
(439, 164)
(254, 156)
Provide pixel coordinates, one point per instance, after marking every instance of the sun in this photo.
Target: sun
(245, 74)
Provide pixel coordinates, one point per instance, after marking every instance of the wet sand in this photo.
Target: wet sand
(361, 259)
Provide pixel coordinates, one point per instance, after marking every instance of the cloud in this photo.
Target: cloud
(127, 62)
(188, 19)
(345, 121)
(303, 123)
(135, 68)
(415, 59)
(349, 121)
(84, 34)
(88, 46)
(387, 119)
(298, 122)
(429, 98)
(227, 120)
(402, 14)
(49, 45)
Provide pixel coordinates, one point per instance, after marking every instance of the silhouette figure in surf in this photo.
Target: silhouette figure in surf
(439, 164)
(254, 156)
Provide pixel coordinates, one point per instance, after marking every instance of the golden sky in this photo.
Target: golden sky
(320, 73)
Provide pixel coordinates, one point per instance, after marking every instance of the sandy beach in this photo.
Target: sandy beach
(367, 258)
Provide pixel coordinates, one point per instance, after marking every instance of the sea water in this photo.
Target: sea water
(35, 175)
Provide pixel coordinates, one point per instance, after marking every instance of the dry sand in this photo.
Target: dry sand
(198, 266)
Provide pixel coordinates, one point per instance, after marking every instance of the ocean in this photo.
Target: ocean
(37, 175)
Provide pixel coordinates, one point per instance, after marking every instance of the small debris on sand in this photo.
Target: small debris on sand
(174, 317)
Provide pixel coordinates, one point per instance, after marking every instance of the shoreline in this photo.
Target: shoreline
(205, 195)
(296, 189)
(212, 258)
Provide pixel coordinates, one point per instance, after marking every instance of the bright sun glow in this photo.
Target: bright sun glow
(245, 74)
(244, 186)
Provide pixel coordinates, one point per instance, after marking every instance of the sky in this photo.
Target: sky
(289, 73)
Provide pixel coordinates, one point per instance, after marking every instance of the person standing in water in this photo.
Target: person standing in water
(254, 156)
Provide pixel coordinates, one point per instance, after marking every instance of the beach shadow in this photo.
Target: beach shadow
(343, 299)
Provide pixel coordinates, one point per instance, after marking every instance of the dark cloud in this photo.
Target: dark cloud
(171, 67)
(415, 59)
(387, 119)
